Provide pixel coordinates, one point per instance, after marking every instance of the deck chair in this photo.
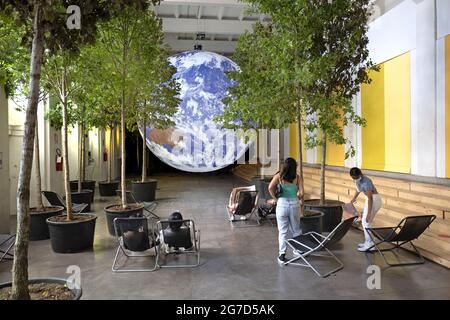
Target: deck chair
(312, 243)
(55, 200)
(178, 237)
(408, 229)
(247, 206)
(265, 210)
(149, 207)
(7, 242)
(135, 240)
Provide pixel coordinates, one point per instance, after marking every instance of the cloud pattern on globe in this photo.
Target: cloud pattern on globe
(197, 143)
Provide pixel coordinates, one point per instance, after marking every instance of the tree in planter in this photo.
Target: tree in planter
(275, 69)
(158, 100)
(49, 30)
(340, 65)
(14, 75)
(128, 44)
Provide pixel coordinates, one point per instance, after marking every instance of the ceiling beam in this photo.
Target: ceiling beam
(220, 13)
(207, 45)
(184, 25)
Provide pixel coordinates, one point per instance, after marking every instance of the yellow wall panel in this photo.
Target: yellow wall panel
(372, 109)
(293, 142)
(397, 114)
(447, 105)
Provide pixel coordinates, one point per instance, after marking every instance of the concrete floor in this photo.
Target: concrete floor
(236, 263)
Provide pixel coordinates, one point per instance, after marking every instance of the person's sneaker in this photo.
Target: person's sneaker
(366, 247)
(296, 254)
(282, 259)
(243, 218)
(361, 245)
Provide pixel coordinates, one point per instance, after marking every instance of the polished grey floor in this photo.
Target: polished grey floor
(236, 263)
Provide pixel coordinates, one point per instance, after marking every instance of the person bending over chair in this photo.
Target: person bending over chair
(371, 206)
(233, 201)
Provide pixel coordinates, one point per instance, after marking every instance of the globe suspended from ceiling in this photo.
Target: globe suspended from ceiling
(197, 143)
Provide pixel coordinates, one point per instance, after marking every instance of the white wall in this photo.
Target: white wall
(393, 33)
(4, 164)
(418, 27)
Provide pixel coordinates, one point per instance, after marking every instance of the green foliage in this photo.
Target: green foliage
(275, 69)
(14, 57)
(135, 69)
(340, 64)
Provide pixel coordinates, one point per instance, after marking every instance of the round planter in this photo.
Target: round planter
(72, 236)
(85, 196)
(332, 210)
(112, 214)
(108, 189)
(38, 222)
(313, 223)
(144, 191)
(85, 185)
(77, 292)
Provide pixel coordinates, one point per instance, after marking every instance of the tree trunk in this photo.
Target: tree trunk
(144, 154)
(122, 151)
(300, 159)
(83, 153)
(322, 168)
(65, 149)
(80, 156)
(39, 204)
(111, 147)
(20, 264)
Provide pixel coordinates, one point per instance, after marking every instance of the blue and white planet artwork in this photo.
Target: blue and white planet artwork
(197, 143)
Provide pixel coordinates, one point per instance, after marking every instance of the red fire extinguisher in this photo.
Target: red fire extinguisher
(59, 162)
(105, 156)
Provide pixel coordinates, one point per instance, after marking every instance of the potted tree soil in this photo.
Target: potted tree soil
(45, 289)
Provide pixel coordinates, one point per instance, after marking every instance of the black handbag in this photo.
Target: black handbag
(279, 189)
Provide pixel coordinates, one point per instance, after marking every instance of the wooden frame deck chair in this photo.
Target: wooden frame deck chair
(315, 244)
(247, 207)
(408, 229)
(176, 238)
(135, 240)
(149, 207)
(7, 242)
(55, 200)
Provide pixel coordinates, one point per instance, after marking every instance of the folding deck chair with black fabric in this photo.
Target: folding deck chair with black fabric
(135, 240)
(148, 206)
(7, 242)
(247, 206)
(265, 210)
(55, 200)
(408, 229)
(178, 237)
(311, 243)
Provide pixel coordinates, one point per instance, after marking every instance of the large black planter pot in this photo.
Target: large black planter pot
(72, 236)
(38, 222)
(85, 185)
(112, 214)
(144, 191)
(77, 292)
(108, 189)
(332, 210)
(85, 196)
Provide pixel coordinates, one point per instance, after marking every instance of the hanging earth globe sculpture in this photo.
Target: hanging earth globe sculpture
(196, 143)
